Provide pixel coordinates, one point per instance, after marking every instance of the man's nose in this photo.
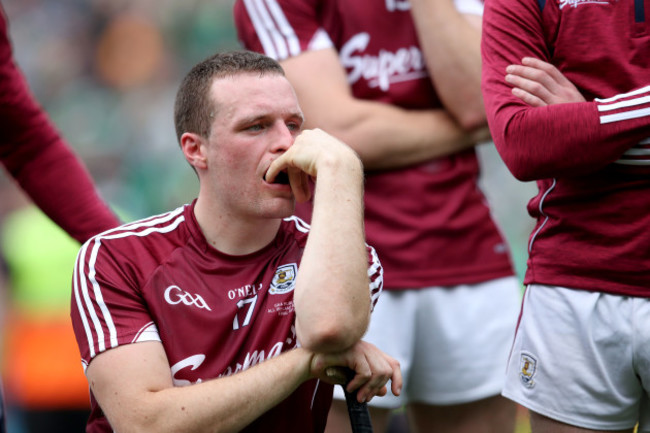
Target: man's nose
(283, 138)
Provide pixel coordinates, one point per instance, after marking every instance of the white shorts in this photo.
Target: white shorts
(582, 358)
(452, 343)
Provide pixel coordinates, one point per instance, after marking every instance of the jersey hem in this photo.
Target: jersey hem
(459, 278)
(533, 276)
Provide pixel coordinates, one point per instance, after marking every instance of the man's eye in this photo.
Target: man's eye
(293, 126)
(256, 127)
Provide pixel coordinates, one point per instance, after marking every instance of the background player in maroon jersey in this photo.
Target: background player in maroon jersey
(399, 81)
(230, 298)
(567, 91)
(41, 162)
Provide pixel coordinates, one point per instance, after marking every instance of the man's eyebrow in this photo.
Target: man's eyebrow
(253, 118)
(299, 115)
(262, 117)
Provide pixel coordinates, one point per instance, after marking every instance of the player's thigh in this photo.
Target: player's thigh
(573, 358)
(490, 415)
(392, 330)
(542, 424)
(464, 336)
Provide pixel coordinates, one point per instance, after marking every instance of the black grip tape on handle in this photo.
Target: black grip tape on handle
(358, 412)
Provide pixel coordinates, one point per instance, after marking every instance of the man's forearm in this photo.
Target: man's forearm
(388, 137)
(385, 136)
(160, 407)
(332, 295)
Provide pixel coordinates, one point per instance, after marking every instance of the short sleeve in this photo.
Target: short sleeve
(107, 309)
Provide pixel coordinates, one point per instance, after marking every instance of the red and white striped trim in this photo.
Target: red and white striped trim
(639, 154)
(625, 106)
(376, 277)
(85, 283)
(276, 35)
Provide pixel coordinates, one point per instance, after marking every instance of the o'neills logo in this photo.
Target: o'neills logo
(576, 3)
(383, 69)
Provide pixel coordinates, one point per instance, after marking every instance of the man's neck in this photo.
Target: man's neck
(234, 235)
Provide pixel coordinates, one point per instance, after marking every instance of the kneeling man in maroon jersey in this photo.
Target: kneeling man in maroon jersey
(226, 313)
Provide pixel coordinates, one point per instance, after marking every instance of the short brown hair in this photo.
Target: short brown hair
(193, 109)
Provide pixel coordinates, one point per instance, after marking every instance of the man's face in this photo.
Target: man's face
(256, 120)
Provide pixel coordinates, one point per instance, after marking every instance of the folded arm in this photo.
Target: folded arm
(451, 43)
(43, 164)
(561, 137)
(385, 136)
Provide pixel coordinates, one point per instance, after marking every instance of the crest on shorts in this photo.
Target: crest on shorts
(284, 279)
(527, 369)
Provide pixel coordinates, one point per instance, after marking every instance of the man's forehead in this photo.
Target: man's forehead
(252, 94)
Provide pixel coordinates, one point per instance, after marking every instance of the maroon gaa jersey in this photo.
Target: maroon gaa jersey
(430, 222)
(45, 167)
(215, 314)
(591, 160)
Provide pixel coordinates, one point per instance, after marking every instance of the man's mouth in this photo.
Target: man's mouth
(282, 178)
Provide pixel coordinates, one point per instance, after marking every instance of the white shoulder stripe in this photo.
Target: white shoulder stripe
(285, 28)
(123, 234)
(269, 36)
(276, 35)
(150, 221)
(81, 279)
(78, 269)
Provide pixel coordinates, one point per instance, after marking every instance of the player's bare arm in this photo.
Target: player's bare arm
(539, 83)
(385, 136)
(331, 297)
(450, 42)
(133, 385)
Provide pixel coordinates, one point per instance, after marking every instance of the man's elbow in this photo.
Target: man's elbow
(472, 120)
(333, 336)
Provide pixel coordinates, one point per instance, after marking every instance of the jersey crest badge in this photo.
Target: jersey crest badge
(284, 279)
(527, 369)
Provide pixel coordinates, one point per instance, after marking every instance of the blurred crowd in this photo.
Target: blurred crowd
(107, 72)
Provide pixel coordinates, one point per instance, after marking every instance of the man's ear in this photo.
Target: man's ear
(193, 147)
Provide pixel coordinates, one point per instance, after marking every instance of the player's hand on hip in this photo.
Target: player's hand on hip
(373, 369)
(539, 83)
(313, 152)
